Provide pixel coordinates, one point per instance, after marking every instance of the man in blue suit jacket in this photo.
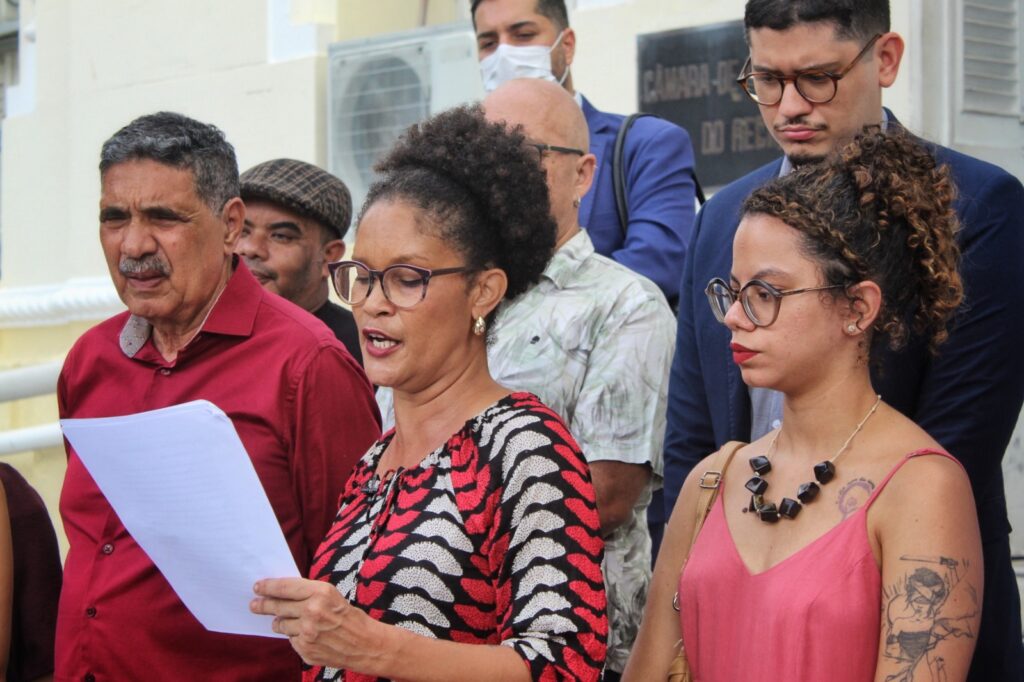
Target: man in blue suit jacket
(968, 397)
(658, 162)
(532, 39)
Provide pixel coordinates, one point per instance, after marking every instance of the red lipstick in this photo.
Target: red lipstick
(741, 354)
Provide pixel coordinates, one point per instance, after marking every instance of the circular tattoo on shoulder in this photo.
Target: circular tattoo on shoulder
(853, 495)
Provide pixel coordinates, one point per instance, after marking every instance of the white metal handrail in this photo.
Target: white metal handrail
(28, 382)
(31, 438)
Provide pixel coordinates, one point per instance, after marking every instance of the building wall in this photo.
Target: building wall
(362, 19)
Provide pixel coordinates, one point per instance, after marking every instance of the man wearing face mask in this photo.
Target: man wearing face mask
(532, 39)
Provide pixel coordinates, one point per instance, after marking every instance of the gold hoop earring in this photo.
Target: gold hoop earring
(576, 202)
(479, 326)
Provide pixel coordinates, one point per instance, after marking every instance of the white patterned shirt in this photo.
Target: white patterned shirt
(594, 340)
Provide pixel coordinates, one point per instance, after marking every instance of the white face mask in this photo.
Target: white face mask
(509, 62)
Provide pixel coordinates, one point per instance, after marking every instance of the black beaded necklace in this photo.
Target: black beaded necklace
(823, 471)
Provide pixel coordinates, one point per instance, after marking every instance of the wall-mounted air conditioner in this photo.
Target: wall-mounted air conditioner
(378, 87)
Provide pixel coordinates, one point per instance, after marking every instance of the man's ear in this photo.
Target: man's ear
(569, 45)
(888, 54)
(488, 290)
(586, 166)
(333, 250)
(233, 217)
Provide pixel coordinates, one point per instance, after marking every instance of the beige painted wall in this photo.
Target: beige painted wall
(113, 66)
(362, 19)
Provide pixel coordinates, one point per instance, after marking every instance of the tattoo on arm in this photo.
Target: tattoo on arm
(933, 603)
(853, 495)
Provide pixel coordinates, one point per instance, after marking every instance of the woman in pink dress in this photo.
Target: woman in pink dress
(844, 544)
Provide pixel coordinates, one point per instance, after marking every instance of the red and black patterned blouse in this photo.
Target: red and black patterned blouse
(493, 539)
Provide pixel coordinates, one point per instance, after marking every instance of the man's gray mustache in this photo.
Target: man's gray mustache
(148, 265)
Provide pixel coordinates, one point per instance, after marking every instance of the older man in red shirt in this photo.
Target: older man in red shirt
(198, 326)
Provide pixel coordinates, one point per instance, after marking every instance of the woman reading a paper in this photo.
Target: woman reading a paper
(467, 545)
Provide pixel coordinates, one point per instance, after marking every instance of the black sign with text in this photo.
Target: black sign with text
(688, 76)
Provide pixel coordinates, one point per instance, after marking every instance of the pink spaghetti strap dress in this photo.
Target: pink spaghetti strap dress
(813, 616)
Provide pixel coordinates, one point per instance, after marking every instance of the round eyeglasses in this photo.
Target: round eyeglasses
(403, 285)
(760, 300)
(815, 85)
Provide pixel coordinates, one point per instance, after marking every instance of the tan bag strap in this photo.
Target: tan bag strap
(679, 670)
(710, 482)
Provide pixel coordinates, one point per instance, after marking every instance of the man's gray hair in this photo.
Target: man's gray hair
(181, 142)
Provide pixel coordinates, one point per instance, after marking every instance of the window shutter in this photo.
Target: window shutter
(991, 83)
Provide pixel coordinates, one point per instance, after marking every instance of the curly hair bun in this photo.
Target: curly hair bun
(484, 191)
(879, 209)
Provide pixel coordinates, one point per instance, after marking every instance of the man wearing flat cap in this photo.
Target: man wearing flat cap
(296, 216)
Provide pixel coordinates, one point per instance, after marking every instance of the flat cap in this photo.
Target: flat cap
(302, 187)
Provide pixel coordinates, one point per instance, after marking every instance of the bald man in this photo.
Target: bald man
(594, 341)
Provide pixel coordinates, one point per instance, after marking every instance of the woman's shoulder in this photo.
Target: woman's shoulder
(521, 425)
(910, 455)
(522, 412)
(922, 479)
(927, 471)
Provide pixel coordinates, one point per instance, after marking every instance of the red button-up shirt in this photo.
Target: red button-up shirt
(305, 412)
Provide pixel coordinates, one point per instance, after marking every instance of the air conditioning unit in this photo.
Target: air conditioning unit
(380, 86)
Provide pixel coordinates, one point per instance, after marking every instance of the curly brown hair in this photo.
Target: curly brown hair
(481, 189)
(879, 209)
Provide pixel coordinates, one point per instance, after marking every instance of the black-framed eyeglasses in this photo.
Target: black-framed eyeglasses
(760, 300)
(815, 86)
(540, 147)
(403, 285)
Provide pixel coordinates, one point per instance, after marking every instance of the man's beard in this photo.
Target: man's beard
(805, 160)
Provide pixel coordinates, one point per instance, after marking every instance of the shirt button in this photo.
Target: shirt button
(108, 548)
(89, 677)
(776, 424)
(91, 612)
(165, 372)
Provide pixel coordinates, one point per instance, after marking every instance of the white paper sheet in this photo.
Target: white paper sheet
(184, 487)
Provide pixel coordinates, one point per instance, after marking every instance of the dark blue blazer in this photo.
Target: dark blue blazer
(968, 398)
(660, 196)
